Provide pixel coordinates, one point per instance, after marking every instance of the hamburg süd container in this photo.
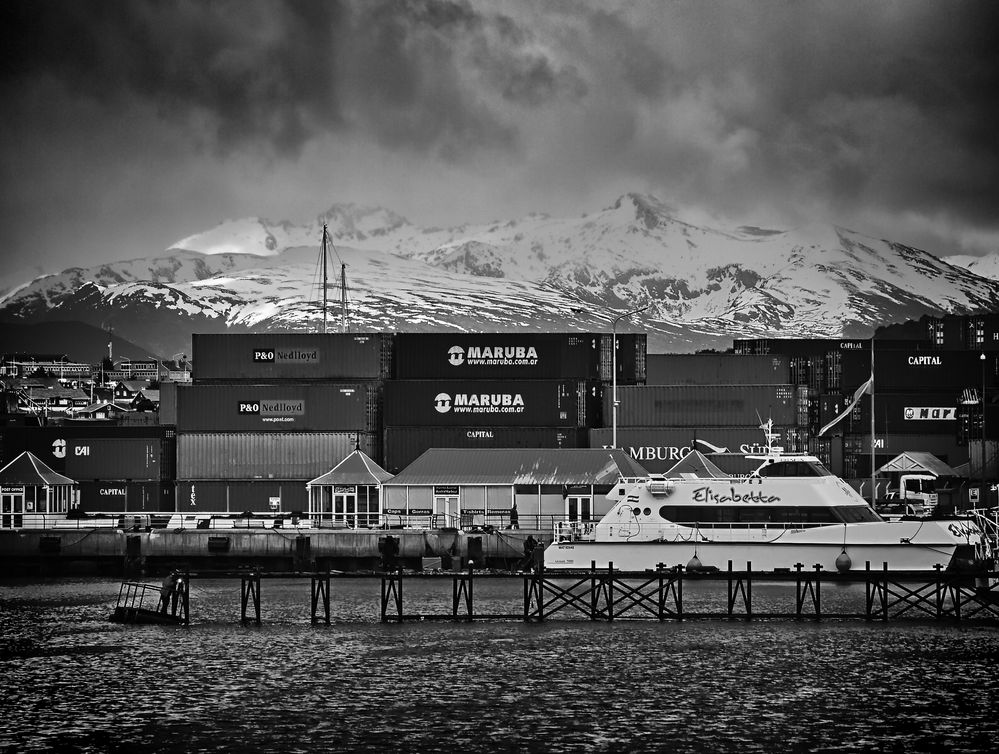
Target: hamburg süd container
(253, 357)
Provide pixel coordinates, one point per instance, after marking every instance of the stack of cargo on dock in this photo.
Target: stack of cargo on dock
(266, 413)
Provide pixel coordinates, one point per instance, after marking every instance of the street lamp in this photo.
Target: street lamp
(983, 500)
(614, 400)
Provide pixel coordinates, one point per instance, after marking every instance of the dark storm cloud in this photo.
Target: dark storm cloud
(421, 75)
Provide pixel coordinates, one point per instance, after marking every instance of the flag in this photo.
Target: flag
(867, 387)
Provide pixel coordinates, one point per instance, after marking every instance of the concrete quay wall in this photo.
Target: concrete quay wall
(111, 550)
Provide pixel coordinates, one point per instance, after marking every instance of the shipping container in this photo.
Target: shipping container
(262, 357)
(279, 407)
(123, 496)
(716, 369)
(403, 445)
(702, 406)
(497, 356)
(821, 346)
(893, 444)
(267, 455)
(632, 358)
(265, 496)
(658, 449)
(85, 451)
(906, 413)
(914, 371)
(482, 403)
(168, 402)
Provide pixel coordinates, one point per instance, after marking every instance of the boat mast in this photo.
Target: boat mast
(344, 312)
(324, 277)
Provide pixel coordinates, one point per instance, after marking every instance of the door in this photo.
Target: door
(579, 508)
(11, 507)
(345, 506)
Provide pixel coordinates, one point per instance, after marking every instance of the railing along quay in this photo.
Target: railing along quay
(610, 594)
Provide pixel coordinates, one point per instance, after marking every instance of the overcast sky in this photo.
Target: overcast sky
(127, 125)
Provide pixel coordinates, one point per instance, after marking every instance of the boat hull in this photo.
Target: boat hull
(909, 546)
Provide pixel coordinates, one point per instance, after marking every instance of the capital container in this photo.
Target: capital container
(403, 445)
(125, 496)
(702, 405)
(253, 357)
(497, 356)
(278, 407)
(915, 371)
(821, 346)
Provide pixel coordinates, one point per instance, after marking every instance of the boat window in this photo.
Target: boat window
(855, 514)
(794, 468)
(647, 511)
(742, 514)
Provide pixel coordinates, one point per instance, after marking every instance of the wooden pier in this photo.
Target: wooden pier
(610, 594)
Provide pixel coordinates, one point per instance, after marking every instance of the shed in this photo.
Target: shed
(28, 486)
(349, 494)
(476, 487)
(917, 462)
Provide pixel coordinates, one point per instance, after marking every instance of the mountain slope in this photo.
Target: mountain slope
(702, 286)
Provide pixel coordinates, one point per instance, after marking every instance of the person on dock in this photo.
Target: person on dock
(527, 563)
(170, 584)
(514, 517)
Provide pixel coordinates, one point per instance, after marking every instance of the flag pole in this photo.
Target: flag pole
(873, 465)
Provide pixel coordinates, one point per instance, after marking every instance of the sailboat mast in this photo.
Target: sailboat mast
(324, 277)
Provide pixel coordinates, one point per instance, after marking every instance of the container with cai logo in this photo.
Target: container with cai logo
(279, 407)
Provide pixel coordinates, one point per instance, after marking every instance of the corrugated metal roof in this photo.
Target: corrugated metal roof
(28, 469)
(519, 466)
(357, 468)
(695, 464)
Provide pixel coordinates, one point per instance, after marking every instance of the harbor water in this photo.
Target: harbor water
(72, 681)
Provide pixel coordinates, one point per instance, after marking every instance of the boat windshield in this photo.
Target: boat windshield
(856, 514)
(797, 468)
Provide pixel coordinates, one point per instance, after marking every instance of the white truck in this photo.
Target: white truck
(916, 495)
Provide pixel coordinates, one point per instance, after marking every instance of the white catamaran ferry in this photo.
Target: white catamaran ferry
(790, 510)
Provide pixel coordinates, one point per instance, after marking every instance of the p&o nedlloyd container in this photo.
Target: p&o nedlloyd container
(263, 357)
(278, 407)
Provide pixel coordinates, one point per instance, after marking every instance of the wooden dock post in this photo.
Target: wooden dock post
(250, 588)
(742, 584)
(810, 587)
(321, 592)
(462, 588)
(392, 589)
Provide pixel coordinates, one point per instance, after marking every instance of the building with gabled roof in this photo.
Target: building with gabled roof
(349, 494)
(448, 487)
(30, 490)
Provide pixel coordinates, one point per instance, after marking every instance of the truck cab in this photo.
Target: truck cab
(917, 492)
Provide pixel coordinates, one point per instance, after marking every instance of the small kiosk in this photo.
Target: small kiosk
(31, 493)
(349, 494)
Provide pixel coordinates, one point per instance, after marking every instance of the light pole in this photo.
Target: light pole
(983, 500)
(614, 400)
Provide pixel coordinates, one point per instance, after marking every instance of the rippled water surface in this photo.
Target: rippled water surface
(71, 681)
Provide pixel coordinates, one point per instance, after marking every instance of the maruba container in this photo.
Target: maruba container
(403, 445)
(278, 407)
(497, 356)
(703, 405)
(291, 356)
(485, 403)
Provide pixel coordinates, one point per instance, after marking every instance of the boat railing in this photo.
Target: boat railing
(987, 520)
(574, 531)
(135, 595)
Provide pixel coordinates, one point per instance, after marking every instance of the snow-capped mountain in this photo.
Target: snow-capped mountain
(702, 286)
(986, 266)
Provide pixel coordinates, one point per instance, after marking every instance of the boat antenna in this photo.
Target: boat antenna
(324, 256)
